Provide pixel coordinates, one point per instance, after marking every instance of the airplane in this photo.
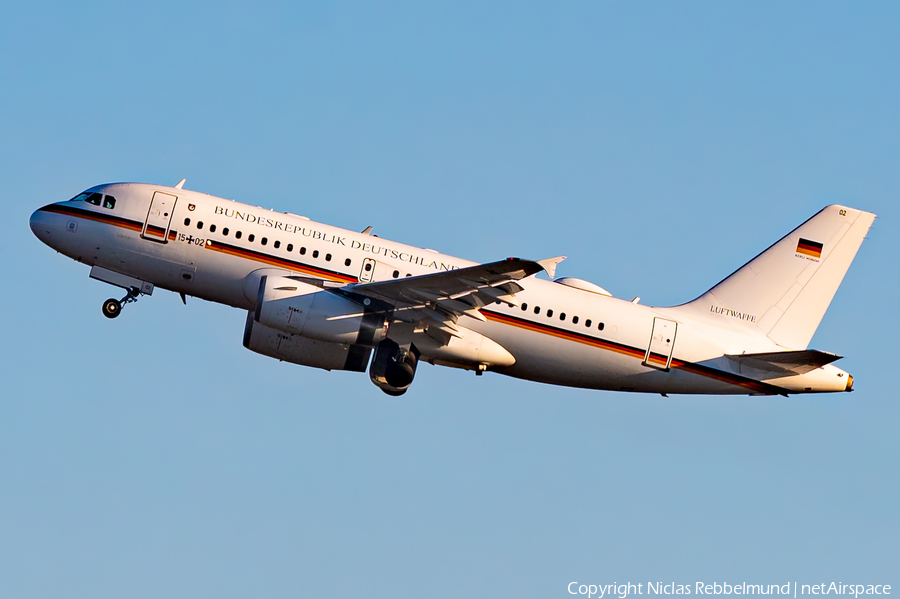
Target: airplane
(331, 298)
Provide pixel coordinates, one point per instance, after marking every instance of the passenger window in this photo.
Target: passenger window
(327, 257)
(237, 235)
(562, 315)
(396, 273)
(264, 241)
(524, 307)
(225, 231)
(574, 320)
(251, 237)
(347, 262)
(212, 228)
(277, 244)
(302, 251)
(94, 199)
(408, 275)
(187, 222)
(290, 247)
(537, 309)
(109, 202)
(587, 323)
(199, 224)
(315, 253)
(549, 313)
(600, 326)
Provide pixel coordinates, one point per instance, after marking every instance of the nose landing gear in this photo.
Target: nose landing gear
(113, 307)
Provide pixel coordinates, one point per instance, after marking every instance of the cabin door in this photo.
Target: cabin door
(156, 226)
(662, 342)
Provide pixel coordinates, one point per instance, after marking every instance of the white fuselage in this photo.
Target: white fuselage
(559, 334)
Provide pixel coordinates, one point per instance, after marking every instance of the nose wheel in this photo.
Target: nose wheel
(113, 307)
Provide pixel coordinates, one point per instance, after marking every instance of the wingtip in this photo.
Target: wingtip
(550, 264)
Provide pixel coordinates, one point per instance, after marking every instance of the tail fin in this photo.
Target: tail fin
(785, 291)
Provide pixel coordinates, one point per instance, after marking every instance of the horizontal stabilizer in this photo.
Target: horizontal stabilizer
(786, 362)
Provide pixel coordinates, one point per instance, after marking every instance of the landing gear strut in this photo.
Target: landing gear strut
(113, 307)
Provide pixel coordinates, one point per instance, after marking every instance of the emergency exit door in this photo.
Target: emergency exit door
(662, 342)
(367, 271)
(156, 226)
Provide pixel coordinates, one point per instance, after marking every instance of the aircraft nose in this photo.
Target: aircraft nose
(41, 224)
(33, 221)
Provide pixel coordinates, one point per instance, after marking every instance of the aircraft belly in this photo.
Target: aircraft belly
(552, 360)
(220, 278)
(154, 269)
(548, 359)
(175, 266)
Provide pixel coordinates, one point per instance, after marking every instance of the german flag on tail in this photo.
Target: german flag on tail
(809, 248)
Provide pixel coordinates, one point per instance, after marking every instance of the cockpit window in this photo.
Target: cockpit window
(94, 199)
(109, 202)
(80, 197)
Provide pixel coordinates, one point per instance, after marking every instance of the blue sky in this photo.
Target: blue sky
(658, 146)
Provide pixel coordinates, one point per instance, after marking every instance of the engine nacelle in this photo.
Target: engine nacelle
(298, 308)
(302, 350)
(394, 367)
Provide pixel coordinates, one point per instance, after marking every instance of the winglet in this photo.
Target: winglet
(549, 264)
(180, 184)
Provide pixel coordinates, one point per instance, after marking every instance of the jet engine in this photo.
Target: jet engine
(303, 350)
(295, 307)
(394, 367)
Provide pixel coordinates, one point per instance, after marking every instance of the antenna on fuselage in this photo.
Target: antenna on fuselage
(367, 230)
(180, 184)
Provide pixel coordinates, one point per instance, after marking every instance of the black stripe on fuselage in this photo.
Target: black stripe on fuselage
(278, 261)
(254, 255)
(110, 219)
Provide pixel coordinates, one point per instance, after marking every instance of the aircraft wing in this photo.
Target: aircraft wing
(436, 301)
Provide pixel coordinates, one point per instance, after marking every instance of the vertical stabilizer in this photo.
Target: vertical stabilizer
(785, 291)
